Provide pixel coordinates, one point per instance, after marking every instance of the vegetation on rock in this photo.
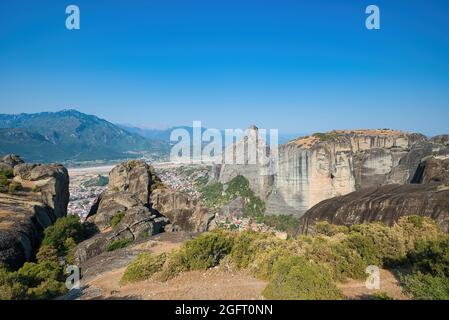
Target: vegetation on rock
(45, 278)
(217, 194)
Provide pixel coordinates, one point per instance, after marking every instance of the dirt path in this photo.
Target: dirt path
(389, 284)
(214, 284)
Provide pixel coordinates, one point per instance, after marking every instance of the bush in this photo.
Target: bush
(117, 218)
(286, 223)
(204, 252)
(143, 267)
(426, 286)
(381, 296)
(14, 187)
(8, 173)
(245, 248)
(376, 243)
(216, 195)
(47, 253)
(328, 229)
(4, 183)
(207, 250)
(414, 228)
(64, 228)
(431, 256)
(295, 278)
(118, 244)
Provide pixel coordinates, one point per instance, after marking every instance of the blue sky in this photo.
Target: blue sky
(294, 65)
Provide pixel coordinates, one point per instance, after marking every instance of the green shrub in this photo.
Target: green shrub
(414, 228)
(426, 286)
(201, 253)
(216, 195)
(286, 223)
(47, 253)
(143, 267)
(35, 189)
(8, 173)
(377, 243)
(295, 278)
(381, 296)
(328, 229)
(431, 256)
(4, 183)
(117, 218)
(64, 228)
(245, 248)
(118, 244)
(14, 187)
(207, 250)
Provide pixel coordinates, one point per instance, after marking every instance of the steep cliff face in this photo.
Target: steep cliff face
(385, 203)
(323, 166)
(26, 213)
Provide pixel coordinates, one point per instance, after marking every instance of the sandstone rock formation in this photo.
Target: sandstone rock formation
(433, 170)
(25, 214)
(311, 169)
(184, 214)
(441, 139)
(127, 201)
(139, 209)
(385, 203)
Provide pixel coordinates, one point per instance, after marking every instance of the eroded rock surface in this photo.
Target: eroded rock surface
(184, 213)
(26, 213)
(327, 165)
(123, 211)
(385, 203)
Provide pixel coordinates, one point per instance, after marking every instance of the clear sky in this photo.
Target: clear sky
(294, 65)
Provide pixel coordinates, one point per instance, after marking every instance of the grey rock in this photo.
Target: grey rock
(385, 203)
(24, 216)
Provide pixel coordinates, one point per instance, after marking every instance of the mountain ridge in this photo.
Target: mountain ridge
(70, 135)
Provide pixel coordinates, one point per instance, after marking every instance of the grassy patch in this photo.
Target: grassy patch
(117, 218)
(118, 244)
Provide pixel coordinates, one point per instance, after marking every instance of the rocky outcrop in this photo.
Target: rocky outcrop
(441, 139)
(132, 208)
(311, 169)
(51, 180)
(433, 170)
(385, 203)
(185, 214)
(123, 211)
(26, 213)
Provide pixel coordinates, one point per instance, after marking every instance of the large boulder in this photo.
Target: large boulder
(185, 214)
(52, 180)
(385, 203)
(12, 160)
(25, 214)
(132, 176)
(123, 211)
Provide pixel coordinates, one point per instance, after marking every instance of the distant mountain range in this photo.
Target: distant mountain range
(69, 135)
